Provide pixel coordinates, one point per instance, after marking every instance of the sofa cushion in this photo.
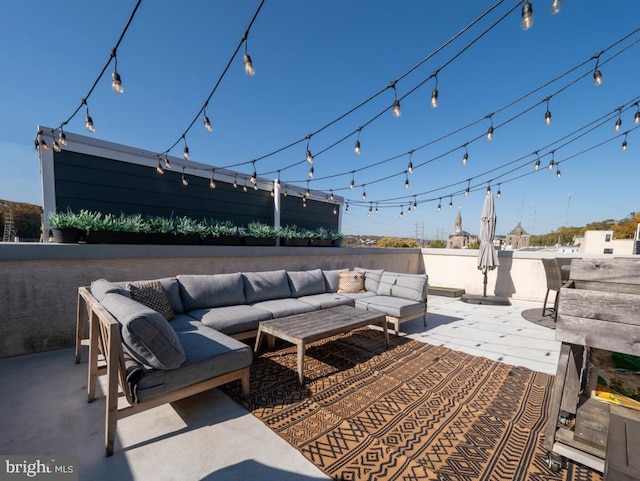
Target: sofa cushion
(392, 306)
(263, 286)
(306, 283)
(146, 334)
(284, 307)
(199, 291)
(371, 278)
(231, 319)
(332, 279)
(351, 281)
(152, 295)
(408, 286)
(171, 287)
(101, 287)
(209, 354)
(326, 300)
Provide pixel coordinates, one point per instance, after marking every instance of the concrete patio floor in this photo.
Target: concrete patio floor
(209, 436)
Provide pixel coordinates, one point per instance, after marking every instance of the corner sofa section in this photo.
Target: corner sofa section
(155, 360)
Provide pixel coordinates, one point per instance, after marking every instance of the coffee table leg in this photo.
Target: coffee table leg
(301, 349)
(258, 340)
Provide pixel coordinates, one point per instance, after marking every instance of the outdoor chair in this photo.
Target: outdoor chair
(556, 276)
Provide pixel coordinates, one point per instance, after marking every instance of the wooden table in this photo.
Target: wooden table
(301, 329)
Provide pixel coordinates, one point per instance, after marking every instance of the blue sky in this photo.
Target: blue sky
(314, 62)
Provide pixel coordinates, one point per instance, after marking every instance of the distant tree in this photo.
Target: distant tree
(474, 245)
(626, 228)
(397, 242)
(437, 244)
(27, 218)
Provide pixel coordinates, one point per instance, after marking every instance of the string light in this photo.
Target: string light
(552, 162)
(272, 193)
(370, 210)
(62, 138)
(396, 102)
(185, 152)
(410, 164)
(308, 154)
(335, 210)
(212, 182)
(624, 142)
(205, 120)
(185, 182)
(547, 114)
(409, 209)
(331, 195)
(527, 16)
(415, 203)
(439, 205)
(619, 121)
(278, 184)
(401, 212)
(116, 81)
(465, 157)
(248, 64)
(304, 202)
(468, 189)
(56, 145)
(254, 175)
(376, 211)
(235, 181)
(556, 5)
(88, 121)
(364, 193)
(43, 143)
(346, 209)
(490, 130)
(311, 172)
(434, 93)
(636, 117)
(255, 186)
(406, 182)
(353, 180)
(537, 164)
(244, 187)
(357, 147)
(498, 194)
(558, 174)
(488, 188)
(159, 169)
(307, 193)
(597, 75)
(450, 202)
(167, 163)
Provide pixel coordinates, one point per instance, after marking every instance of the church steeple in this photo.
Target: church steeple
(457, 230)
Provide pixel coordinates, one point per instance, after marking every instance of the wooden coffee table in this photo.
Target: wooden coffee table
(301, 329)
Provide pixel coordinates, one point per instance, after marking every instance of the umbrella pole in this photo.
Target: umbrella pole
(485, 283)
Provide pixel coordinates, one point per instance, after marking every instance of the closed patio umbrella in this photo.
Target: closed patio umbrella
(487, 256)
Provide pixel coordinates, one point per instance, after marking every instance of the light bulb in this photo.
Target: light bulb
(253, 178)
(185, 182)
(88, 122)
(439, 207)
(547, 117)
(255, 186)
(490, 133)
(335, 210)
(558, 174)
(537, 166)
(248, 66)
(331, 195)
(551, 164)
(624, 145)
(352, 184)
(212, 183)
(56, 146)
(618, 125)
(244, 187)
(311, 172)
(401, 213)
(450, 204)
(465, 158)
(307, 193)
(410, 167)
(63, 138)
(434, 98)
(235, 183)
(309, 157)
(116, 83)
(364, 195)
(396, 108)
(556, 5)
(167, 163)
(406, 184)
(415, 205)
(636, 117)
(44, 144)
(597, 77)
(207, 124)
(466, 192)
(159, 169)
(346, 209)
(369, 212)
(357, 148)
(498, 194)
(185, 153)
(527, 16)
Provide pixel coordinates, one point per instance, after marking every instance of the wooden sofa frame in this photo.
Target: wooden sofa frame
(105, 340)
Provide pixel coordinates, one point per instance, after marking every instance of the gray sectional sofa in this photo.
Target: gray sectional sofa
(197, 345)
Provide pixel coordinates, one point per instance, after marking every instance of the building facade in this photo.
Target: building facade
(460, 238)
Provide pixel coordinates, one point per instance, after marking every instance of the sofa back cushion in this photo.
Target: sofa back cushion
(264, 286)
(200, 291)
(146, 334)
(332, 279)
(371, 278)
(407, 286)
(306, 283)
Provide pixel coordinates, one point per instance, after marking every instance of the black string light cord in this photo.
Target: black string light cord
(215, 87)
(369, 99)
(104, 69)
(478, 137)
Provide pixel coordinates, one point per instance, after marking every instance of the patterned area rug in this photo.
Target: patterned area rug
(409, 412)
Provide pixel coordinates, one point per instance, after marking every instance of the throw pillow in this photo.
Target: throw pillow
(152, 295)
(351, 282)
